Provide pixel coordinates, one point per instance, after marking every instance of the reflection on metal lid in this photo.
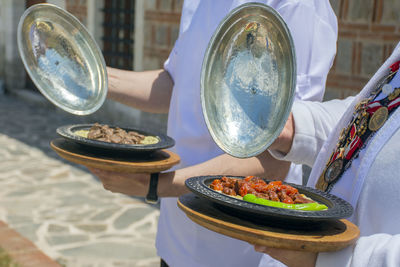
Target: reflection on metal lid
(248, 80)
(62, 59)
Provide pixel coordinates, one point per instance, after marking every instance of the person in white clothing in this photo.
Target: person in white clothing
(176, 90)
(353, 147)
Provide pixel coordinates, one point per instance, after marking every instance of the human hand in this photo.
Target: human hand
(291, 258)
(132, 184)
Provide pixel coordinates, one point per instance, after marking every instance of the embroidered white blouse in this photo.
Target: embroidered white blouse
(371, 184)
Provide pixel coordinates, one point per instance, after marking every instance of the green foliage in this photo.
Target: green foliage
(5, 260)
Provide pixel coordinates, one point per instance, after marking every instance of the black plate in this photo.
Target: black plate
(68, 132)
(337, 207)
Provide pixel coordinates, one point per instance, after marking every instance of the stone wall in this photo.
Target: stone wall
(161, 20)
(14, 76)
(2, 43)
(79, 9)
(368, 32)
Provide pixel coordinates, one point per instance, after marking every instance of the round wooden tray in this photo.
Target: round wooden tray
(329, 235)
(156, 162)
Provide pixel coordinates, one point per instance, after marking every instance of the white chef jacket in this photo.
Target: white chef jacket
(371, 184)
(313, 26)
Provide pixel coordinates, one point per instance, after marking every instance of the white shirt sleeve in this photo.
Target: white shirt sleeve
(313, 123)
(373, 251)
(170, 63)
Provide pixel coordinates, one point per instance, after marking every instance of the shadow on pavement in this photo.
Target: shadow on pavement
(35, 125)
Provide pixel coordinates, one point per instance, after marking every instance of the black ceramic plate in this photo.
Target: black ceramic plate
(337, 207)
(68, 132)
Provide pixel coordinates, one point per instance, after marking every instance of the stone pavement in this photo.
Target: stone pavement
(60, 206)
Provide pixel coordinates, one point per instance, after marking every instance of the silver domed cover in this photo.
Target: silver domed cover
(248, 80)
(62, 59)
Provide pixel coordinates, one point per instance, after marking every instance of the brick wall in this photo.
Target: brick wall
(78, 8)
(368, 33)
(2, 41)
(161, 20)
(13, 69)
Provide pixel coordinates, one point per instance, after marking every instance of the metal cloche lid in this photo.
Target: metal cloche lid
(248, 80)
(62, 59)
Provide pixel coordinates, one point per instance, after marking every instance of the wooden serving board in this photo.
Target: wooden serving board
(156, 162)
(330, 235)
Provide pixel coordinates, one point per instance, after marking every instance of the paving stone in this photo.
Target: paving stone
(154, 263)
(10, 167)
(92, 228)
(134, 200)
(19, 206)
(35, 173)
(59, 205)
(71, 186)
(101, 193)
(78, 199)
(64, 174)
(104, 215)
(28, 230)
(3, 154)
(110, 250)
(16, 219)
(78, 172)
(54, 228)
(117, 236)
(66, 239)
(149, 236)
(77, 216)
(144, 228)
(20, 193)
(130, 216)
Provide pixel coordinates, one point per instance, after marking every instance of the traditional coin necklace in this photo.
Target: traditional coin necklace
(369, 116)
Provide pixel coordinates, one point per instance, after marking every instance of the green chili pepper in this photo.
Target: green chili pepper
(306, 206)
